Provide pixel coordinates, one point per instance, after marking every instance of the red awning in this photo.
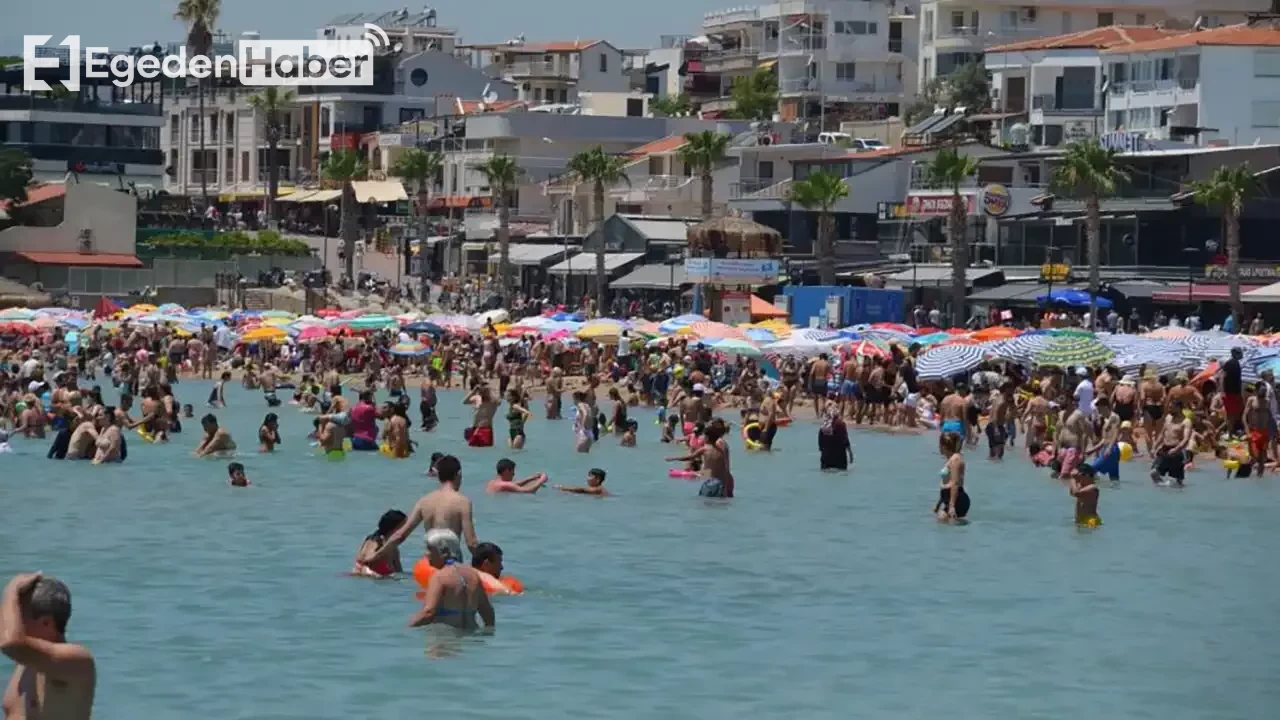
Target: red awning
(1213, 292)
(82, 259)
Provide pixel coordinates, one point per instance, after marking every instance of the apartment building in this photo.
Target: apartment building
(414, 30)
(846, 55)
(101, 131)
(1058, 82)
(954, 33)
(1212, 87)
(546, 73)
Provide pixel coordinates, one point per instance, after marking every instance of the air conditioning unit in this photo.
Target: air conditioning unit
(86, 240)
(1027, 16)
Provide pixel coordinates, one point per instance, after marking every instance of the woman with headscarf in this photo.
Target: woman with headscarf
(833, 440)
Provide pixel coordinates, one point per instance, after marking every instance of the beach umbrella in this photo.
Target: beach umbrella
(45, 322)
(1219, 348)
(17, 314)
(492, 317)
(894, 327)
(888, 335)
(801, 344)
(817, 335)
(141, 309)
(1072, 351)
(517, 331)
(264, 333)
(708, 330)
(933, 338)
(674, 324)
(761, 335)
(371, 322)
(328, 312)
(944, 362)
(735, 346)
(423, 326)
(998, 332)
(602, 331)
(172, 309)
(277, 314)
(1021, 349)
(312, 334)
(646, 328)
(17, 327)
(413, 348)
(1169, 333)
(867, 348)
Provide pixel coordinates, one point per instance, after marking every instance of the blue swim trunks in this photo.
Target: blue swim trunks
(849, 388)
(1108, 463)
(953, 426)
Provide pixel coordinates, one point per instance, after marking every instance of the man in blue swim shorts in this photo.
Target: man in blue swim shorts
(952, 410)
(1108, 445)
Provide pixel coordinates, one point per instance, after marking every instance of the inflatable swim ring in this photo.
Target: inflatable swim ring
(142, 433)
(1231, 464)
(422, 572)
(682, 474)
(1091, 521)
(385, 449)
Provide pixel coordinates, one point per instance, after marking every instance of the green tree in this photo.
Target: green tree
(1090, 171)
(755, 97)
(15, 175)
(272, 102)
(671, 106)
(419, 167)
(6, 60)
(502, 171)
(703, 151)
(342, 167)
(200, 17)
(967, 86)
(600, 169)
(950, 169)
(1226, 190)
(821, 191)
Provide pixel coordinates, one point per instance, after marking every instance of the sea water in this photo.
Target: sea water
(810, 595)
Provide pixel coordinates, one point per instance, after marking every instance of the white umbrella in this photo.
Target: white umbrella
(948, 360)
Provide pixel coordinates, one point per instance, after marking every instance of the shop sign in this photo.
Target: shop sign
(891, 210)
(1055, 272)
(1247, 272)
(731, 271)
(996, 199)
(936, 205)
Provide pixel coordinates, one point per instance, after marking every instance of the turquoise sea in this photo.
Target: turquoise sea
(811, 595)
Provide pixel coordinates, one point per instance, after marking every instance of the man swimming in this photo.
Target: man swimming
(506, 482)
(445, 507)
(455, 594)
(595, 485)
(487, 560)
(52, 678)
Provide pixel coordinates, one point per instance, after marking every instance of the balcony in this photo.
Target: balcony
(798, 44)
(730, 60)
(90, 154)
(1050, 104)
(210, 177)
(284, 174)
(31, 102)
(540, 69)
(759, 189)
(848, 89)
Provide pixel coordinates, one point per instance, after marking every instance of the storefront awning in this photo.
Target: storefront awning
(527, 253)
(77, 259)
(257, 194)
(1212, 292)
(379, 191)
(651, 277)
(1265, 294)
(585, 264)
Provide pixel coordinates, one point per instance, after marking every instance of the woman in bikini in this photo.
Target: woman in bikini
(390, 521)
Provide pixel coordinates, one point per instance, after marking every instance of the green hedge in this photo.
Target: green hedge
(225, 244)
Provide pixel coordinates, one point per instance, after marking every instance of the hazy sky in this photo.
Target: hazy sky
(122, 23)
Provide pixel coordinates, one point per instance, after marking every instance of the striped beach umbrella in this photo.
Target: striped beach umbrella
(950, 360)
(412, 348)
(734, 346)
(1073, 351)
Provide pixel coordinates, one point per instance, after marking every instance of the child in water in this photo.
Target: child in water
(629, 434)
(269, 433)
(218, 395)
(188, 411)
(236, 472)
(390, 521)
(1084, 488)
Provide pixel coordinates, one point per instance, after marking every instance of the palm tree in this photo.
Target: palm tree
(671, 106)
(702, 151)
(421, 167)
(1089, 171)
(271, 102)
(599, 168)
(950, 169)
(501, 171)
(342, 167)
(1227, 190)
(821, 191)
(200, 17)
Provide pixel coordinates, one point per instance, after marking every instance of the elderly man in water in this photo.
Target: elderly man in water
(52, 678)
(455, 594)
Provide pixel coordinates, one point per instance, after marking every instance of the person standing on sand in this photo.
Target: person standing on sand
(445, 507)
(52, 678)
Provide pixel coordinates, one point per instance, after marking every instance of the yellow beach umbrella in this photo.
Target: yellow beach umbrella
(601, 331)
(264, 333)
(141, 309)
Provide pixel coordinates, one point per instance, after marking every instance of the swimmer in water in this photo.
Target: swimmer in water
(953, 502)
(218, 395)
(52, 678)
(445, 507)
(582, 420)
(435, 458)
(506, 482)
(235, 473)
(389, 565)
(1083, 486)
(216, 439)
(455, 594)
(487, 560)
(629, 434)
(269, 433)
(595, 485)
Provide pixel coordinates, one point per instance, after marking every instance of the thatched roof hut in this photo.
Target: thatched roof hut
(735, 236)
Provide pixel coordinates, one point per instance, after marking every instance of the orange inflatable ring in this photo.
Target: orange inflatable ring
(422, 572)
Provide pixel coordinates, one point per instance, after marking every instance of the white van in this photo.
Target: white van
(835, 138)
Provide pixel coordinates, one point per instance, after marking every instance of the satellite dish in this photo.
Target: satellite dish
(488, 95)
(397, 47)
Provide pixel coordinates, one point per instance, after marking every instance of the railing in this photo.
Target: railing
(724, 17)
(838, 87)
(1050, 104)
(736, 59)
(802, 43)
(762, 189)
(91, 154)
(541, 70)
(1189, 83)
(895, 45)
(665, 182)
(210, 177)
(31, 102)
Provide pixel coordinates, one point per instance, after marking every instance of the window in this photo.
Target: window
(1164, 68)
(1140, 118)
(537, 95)
(1266, 63)
(604, 63)
(656, 165)
(1164, 115)
(1266, 113)
(173, 157)
(872, 29)
(1118, 119)
(418, 77)
(324, 122)
(213, 126)
(231, 127)
(844, 71)
(928, 28)
(765, 170)
(244, 166)
(635, 106)
(564, 95)
(973, 22)
(927, 63)
(1140, 19)
(230, 170)
(1009, 19)
(1106, 19)
(957, 19)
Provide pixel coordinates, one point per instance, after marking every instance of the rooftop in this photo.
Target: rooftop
(394, 19)
(1243, 35)
(665, 145)
(1096, 38)
(472, 107)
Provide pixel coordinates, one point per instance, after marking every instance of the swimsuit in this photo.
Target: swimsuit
(953, 426)
(1108, 463)
(515, 421)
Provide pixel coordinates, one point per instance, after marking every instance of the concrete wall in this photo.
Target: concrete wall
(613, 103)
(611, 79)
(110, 215)
(1228, 89)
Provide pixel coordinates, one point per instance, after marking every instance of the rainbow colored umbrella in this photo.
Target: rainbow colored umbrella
(412, 348)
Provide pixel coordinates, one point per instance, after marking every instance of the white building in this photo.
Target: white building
(552, 72)
(1220, 85)
(825, 52)
(415, 30)
(1056, 84)
(956, 32)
